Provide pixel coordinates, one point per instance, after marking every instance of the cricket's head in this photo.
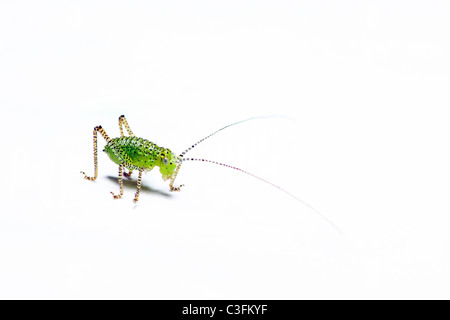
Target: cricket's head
(168, 162)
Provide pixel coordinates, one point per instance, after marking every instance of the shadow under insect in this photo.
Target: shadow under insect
(131, 184)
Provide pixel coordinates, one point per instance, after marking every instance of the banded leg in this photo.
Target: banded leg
(136, 196)
(128, 174)
(120, 184)
(105, 136)
(123, 121)
(172, 180)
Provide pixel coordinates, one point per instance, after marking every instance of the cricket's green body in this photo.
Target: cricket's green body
(140, 154)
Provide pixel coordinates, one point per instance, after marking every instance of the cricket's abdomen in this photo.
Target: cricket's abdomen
(133, 152)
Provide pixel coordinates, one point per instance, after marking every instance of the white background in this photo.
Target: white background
(365, 89)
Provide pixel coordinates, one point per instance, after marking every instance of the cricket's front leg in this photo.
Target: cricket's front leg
(172, 180)
(172, 188)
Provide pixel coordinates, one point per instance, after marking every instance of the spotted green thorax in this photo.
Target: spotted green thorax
(138, 153)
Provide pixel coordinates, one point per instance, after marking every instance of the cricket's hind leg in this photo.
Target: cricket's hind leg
(123, 121)
(105, 136)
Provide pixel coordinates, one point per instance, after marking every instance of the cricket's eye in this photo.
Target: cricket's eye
(165, 161)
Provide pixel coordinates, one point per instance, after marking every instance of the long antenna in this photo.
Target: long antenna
(230, 125)
(268, 182)
(181, 159)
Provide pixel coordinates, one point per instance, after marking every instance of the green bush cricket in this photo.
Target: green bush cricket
(133, 153)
